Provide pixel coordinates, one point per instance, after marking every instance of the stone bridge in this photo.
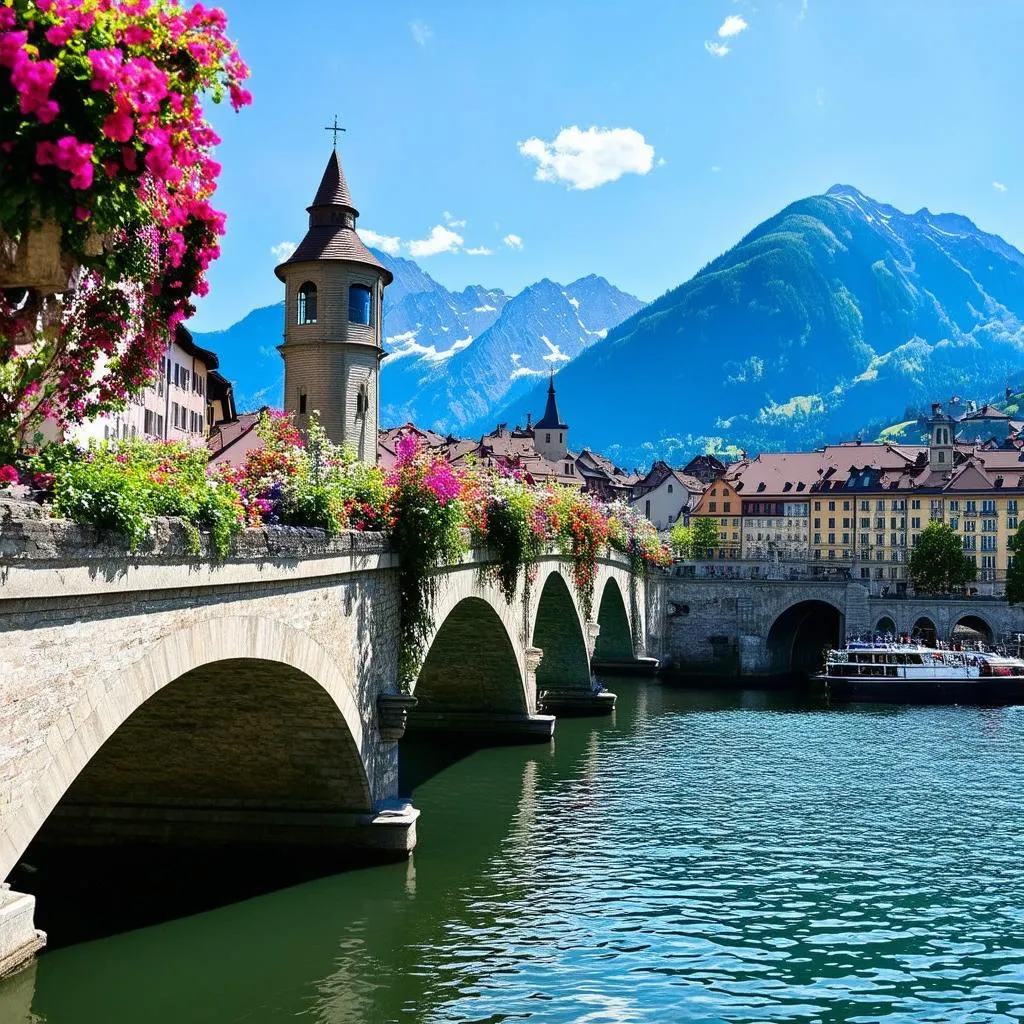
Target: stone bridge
(160, 697)
(722, 627)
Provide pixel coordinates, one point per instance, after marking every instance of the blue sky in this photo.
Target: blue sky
(710, 115)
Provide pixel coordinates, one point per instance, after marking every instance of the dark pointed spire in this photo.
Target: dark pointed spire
(333, 190)
(551, 420)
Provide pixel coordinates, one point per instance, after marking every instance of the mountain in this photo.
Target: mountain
(824, 318)
(452, 355)
(543, 327)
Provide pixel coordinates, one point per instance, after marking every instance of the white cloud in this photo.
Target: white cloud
(386, 243)
(513, 241)
(716, 49)
(421, 32)
(479, 250)
(998, 186)
(732, 26)
(283, 251)
(587, 159)
(451, 221)
(803, 10)
(819, 97)
(441, 239)
(715, 168)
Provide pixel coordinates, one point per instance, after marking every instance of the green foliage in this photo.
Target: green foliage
(681, 540)
(1015, 573)
(120, 487)
(938, 563)
(511, 532)
(704, 534)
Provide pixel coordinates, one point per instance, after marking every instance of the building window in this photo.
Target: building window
(307, 303)
(726, 505)
(547, 439)
(302, 403)
(560, 441)
(360, 305)
(647, 508)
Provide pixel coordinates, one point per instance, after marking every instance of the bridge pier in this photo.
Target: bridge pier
(492, 727)
(575, 702)
(20, 940)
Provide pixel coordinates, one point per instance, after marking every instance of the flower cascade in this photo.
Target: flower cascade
(108, 141)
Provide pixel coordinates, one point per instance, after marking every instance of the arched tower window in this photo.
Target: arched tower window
(307, 304)
(360, 305)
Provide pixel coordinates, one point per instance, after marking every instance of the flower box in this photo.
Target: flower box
(35, 260)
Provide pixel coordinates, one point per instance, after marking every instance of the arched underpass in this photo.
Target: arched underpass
(471, 665)
(971, 629)
(885, 625)
(801, 634)
(558, 634)
(924, 631)
(237, 778)
(615, 641)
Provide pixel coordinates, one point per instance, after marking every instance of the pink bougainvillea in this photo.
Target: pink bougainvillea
(105, 134)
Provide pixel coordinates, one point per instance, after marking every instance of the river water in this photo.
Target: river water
(699, 857)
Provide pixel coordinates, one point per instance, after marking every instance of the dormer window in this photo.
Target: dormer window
(307, 304)
(360, 305)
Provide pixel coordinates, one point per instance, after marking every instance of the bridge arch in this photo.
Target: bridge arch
(471, 664)
(615, 641)
(243, 668)
(558, 632)
(924, 630)
(801, 633)
(972, 627)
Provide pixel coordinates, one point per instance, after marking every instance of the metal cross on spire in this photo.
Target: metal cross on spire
(334, 128)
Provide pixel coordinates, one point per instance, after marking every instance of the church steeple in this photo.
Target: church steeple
(550, 433)
(334, 294)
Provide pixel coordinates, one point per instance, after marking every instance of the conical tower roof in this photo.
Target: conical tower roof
(551, 420)
(332, 226)
(333, 190)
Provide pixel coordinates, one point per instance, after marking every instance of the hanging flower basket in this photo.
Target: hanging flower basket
(35, 260)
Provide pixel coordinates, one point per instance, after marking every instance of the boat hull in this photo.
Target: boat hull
(979, 690)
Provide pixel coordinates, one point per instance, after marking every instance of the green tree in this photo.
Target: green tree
(1015, 574)
(681, 541)
(938, 562)
(704, 534)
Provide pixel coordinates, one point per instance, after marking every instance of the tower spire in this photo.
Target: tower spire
(551, 420)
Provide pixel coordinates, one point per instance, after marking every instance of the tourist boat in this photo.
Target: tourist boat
(907, 671)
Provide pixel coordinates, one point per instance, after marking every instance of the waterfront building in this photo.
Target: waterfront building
(334, 296)
(722, 503)
(866, 504)
(665, 495)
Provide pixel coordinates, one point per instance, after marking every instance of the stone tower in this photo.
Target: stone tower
(941, 438)
(334, 302)
(550, 434)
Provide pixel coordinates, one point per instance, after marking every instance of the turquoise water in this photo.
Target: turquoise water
(731, 858)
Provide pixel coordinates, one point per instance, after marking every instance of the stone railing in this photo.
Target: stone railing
(28, 533)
